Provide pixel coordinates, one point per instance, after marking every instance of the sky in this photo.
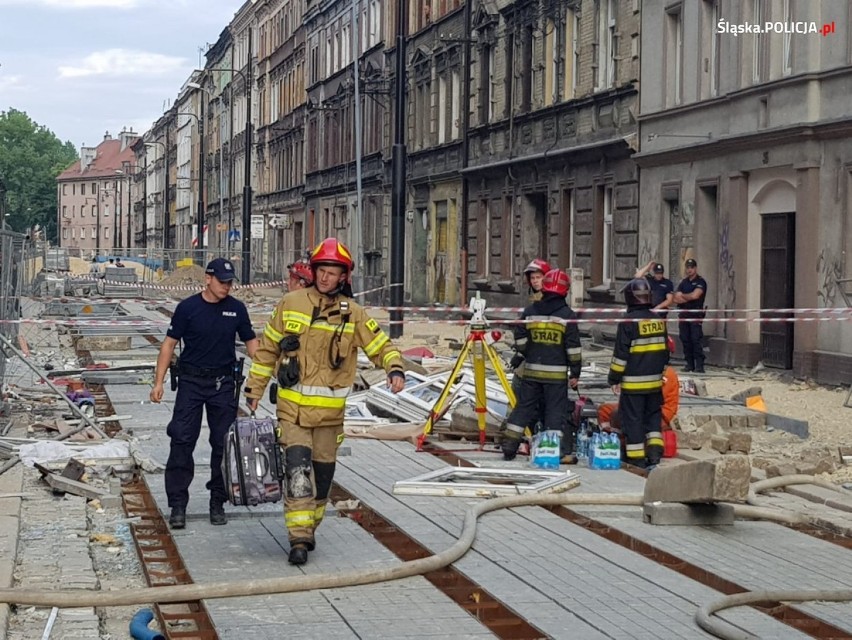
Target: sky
(84, 67)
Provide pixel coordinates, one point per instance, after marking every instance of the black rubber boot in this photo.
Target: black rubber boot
(217, 513)
(298, 554)
(177, 519)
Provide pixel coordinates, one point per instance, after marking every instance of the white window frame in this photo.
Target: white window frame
(787, 48)
(608, 266)
(606, 54)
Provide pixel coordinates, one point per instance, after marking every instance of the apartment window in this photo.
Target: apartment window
(94, 189)
(483, 239)
(106, 233)
(760, 43)
(94, 233)
(603, 254)
(346, 47)
(94, 210)
(83, 189)
(506, 235)
(572, 53)
(606, 44)
(65, 233)
(674, 56)
(455, 105)
(375, 23)
(509, 76)
(486, 68)
(711, 47)
(788, 40)
(106, 211)
(550, 63)
(442, 109)
(64, 211)
(527, 72)
(74, 233)
(64, 189)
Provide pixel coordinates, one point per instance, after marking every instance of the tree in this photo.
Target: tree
(31, 157)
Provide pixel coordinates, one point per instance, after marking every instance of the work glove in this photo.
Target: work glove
(516, 361)
(290, 342)
(288, 372)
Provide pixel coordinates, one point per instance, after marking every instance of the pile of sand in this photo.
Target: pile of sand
(193, 275)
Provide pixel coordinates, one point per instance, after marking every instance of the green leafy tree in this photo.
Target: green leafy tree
(31, 157)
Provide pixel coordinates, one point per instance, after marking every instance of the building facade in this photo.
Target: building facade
(747, 167)
(553, 127)
(94, 199)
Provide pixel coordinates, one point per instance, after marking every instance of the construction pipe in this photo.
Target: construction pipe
(139, 626)
(256, 587)
(722, 629)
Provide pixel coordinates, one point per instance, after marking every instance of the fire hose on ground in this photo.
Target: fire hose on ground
(69, 598)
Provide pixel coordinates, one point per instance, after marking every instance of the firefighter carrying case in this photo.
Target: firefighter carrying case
(251, 465)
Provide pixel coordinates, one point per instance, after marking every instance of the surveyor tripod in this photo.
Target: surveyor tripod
(478, 344)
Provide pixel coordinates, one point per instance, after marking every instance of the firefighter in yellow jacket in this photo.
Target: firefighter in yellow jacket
(313, 336)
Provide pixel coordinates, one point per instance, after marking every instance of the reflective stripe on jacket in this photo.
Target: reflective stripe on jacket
(550, 345)
(640, 354)
(328, 334)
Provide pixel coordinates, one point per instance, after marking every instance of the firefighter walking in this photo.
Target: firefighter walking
(551, 348)
(636, 375)
(313, 337)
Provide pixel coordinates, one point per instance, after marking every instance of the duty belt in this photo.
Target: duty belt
(195, 372)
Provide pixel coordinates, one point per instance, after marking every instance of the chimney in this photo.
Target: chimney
(107, 136)
(127, 136)
(87, 156)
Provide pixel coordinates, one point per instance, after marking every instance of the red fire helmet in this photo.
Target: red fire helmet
(331, 251)
(556, 281)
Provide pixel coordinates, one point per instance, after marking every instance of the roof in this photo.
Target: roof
(109, 157)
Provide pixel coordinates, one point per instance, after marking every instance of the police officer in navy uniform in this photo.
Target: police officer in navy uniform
(662, 289)
(207, 324)
(689, 297)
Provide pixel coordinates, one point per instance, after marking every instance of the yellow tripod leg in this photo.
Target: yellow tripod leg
(438, 407)
(479, 388)
(501, 375)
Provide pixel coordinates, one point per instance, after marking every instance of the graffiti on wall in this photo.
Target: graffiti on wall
(727, 274)
(830, 270)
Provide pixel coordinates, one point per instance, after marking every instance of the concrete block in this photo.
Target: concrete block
(692, 440)
(815, 467)
(790, 425)
(725, 479)
(110, 501)
(781, 469)
(675, 513)
(711, 428)
(739, 421)
(720, 443)
(739, 442)
(756, 420)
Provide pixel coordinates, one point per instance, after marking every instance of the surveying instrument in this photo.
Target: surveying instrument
(478, 344)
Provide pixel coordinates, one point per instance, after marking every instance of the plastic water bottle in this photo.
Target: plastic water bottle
(593, 444)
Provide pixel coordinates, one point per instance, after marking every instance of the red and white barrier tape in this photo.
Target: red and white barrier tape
(608, 310)
(152, 323)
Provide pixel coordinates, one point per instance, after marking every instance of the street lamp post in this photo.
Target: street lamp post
(124, 175)
(397, 265)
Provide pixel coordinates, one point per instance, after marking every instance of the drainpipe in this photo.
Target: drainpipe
(397, 266)
(465, 187)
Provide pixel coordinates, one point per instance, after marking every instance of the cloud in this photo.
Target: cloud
(75, 4)
(123, 62)
(10, 82)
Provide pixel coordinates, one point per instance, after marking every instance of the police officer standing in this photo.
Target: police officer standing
(207, 370)
(636, 375)
(662, 289)
(313, 337)
(551, 347)
(689, 297)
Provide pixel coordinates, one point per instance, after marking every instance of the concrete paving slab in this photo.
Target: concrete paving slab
(569, 581)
